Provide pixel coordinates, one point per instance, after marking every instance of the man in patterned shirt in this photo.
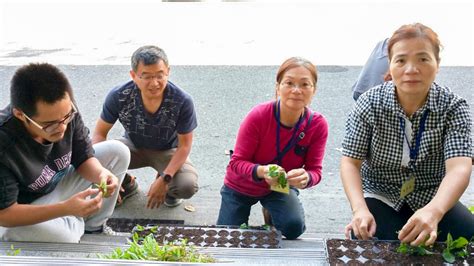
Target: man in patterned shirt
(159, 119)
(407, 150)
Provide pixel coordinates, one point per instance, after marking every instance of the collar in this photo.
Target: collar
(390, 101)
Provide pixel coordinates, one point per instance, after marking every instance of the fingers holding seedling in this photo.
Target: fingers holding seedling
(277, 173)
(102, 186)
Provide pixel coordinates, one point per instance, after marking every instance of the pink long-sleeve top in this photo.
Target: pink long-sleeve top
(256, 145)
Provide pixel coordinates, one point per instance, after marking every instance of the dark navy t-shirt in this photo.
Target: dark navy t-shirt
(158, 131)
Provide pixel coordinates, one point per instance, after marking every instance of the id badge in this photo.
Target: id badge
(407, 187)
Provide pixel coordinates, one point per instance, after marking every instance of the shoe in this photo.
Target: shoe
(267, 217)
(130, 188)
(172, 202)
(103, 230)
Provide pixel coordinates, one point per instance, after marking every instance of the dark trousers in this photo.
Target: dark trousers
(286, 210)
(458, 221)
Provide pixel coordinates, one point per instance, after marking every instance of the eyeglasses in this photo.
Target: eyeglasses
(150, 77)
(305, 86)
(51, 127)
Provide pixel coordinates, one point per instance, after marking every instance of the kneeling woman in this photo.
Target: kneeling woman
(407, 150)
(285, 133)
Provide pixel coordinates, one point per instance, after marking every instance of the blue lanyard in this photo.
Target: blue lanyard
(292, 140)
(414, 150)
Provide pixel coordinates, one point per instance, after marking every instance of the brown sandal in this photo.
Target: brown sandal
(130, 188)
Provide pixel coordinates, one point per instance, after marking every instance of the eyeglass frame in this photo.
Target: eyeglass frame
(158, 77)
(54, 125)
(285, 85)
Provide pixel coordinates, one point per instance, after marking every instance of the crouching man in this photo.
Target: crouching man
(48, 164)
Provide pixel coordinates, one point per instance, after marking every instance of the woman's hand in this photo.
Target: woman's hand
(298, 178)
(421, 228)
(263, 172)
(363, 225)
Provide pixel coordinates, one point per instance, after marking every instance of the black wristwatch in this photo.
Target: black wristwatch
(166, 177)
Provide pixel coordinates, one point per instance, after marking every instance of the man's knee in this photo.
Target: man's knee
(185, 191)
(186, 187)
(113, 155)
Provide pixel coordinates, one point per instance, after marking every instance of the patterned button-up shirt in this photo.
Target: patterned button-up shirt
(374, 135)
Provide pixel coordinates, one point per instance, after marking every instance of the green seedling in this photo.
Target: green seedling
(471, 209)
(455, 248)
(244, 226)
(151, 250)
(275, 172)
(420, 250)
(267, 227)
(139, 228)
(102, 187)
(13, 251)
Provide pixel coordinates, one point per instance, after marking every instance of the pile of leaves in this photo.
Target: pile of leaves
(149, 249)
(275, 172)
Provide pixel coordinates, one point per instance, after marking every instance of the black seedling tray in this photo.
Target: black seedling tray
(125, 225)
(375, 252)
(214, 236)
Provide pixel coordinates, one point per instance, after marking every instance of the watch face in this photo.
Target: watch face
(167, 178)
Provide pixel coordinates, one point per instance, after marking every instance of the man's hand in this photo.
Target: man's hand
(111, 180)
(298, 178)
(157, 193)
(81, 205)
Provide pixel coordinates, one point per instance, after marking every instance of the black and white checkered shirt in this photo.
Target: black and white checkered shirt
(374, 135)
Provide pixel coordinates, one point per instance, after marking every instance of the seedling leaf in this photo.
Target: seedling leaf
(244, 226)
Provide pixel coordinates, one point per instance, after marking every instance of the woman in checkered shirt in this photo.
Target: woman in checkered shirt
(407, 150)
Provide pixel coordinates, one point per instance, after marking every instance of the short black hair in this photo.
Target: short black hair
(148, 55)
(38, 82)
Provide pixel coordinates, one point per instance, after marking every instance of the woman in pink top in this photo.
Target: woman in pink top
(284, 132)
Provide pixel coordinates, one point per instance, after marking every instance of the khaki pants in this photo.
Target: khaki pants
(184, 183)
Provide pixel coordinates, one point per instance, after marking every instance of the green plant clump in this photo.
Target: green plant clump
(420, 250)
(151, 250)
(455, 248)
(275, 172)
(244, 226)
(13, 251)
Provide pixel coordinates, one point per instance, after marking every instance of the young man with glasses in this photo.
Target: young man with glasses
(48, 164)
(159, 119)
